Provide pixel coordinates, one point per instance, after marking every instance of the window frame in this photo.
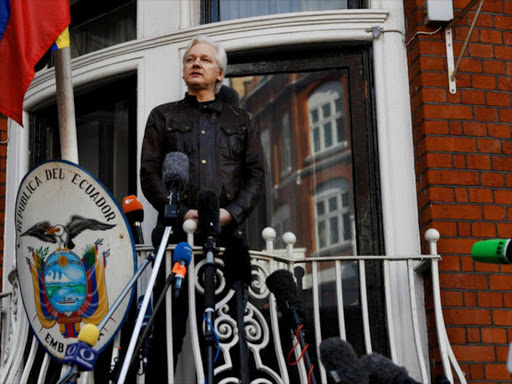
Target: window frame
(356, 62)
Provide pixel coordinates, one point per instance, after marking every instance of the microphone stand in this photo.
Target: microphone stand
(297, 322)
(241, 300)
(210, 250)
(168, 283)
(70, 374)
(170, 218)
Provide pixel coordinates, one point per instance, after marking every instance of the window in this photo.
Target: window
(220, 10)
(100, 24)
(333, 215)
(329, 199)
(326, 117)
(106, 134)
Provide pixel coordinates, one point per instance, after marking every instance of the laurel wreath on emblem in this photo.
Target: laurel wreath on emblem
(68, 289)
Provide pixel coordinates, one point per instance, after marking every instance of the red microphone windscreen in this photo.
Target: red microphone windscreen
(131, 203)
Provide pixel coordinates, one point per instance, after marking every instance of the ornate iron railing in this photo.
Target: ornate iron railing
(263, 333)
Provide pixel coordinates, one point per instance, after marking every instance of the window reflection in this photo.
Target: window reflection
(237, 9)
(101, 24)
(306, 132)
(302, 121)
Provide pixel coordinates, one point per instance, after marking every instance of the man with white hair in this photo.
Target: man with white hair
(223, 147)
(221, 141)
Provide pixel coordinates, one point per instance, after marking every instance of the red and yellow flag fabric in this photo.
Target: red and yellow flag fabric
(28, 28)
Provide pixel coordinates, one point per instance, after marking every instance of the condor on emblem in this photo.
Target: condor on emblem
(74, 255)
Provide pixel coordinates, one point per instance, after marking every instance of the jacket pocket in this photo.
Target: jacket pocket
(179, 136)
(235, 139)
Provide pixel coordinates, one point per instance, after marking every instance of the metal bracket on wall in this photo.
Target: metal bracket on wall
(448, 33)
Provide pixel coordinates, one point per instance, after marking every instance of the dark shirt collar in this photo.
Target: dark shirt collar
(212, 106)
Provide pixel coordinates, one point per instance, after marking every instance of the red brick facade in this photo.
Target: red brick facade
(463, 151)
(3, 161)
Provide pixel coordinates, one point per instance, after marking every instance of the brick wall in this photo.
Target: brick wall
(463, 151)
(3, 160)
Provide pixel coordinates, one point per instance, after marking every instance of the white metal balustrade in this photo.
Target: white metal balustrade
(262, 329)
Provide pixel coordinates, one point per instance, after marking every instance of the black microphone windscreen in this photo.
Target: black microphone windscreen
(156, 236)
(237, 262)
(282, 285)
(135, 217)
(208, 221)
(382, 370)
(340, 360)
(175, 169)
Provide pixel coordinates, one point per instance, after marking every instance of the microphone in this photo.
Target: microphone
(208, 221)
(282, 285)
(132, 208)
(81, 356)
(208, 224)
(181, 258)
(175, 177)
(340, 360)
(382, 370)
(496, 251)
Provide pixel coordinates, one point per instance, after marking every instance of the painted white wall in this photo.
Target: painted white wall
(164, 28)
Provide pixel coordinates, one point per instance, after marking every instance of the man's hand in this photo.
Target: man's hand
(225, 217)
(191, 214)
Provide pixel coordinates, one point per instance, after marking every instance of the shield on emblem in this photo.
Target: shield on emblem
(75, 254)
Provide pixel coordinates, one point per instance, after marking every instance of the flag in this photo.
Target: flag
(28, 28)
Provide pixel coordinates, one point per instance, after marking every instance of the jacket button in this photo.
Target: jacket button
(228, 195)
(229, 130)
(203, 132)
(203, 161)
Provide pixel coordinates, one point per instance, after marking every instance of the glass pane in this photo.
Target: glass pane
(237, 9)
(321, 235)
(326, 109)
(338, 104)
(328, 135)
(339, 130)
(312, 186)
(314, 115)
(320, 208)
(316, 139)
(335, 237)
(106, 117)
(347, 227)
(344, 199)
(333, 204)
(97, 27)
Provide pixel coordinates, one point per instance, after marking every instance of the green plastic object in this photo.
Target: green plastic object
(492, 251)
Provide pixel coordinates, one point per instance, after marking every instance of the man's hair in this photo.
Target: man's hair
(220, 54)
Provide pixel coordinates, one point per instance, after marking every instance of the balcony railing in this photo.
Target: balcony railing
(263, 333)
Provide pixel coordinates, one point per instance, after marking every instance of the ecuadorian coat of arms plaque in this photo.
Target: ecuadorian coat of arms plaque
(75, 254)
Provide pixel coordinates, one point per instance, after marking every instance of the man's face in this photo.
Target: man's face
(201, 70)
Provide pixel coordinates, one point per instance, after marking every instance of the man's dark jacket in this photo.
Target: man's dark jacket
(224, 150)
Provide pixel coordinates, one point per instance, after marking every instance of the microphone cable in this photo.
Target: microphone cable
(217, 341)
(293, 363)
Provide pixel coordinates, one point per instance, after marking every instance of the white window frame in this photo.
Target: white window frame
(326, 95)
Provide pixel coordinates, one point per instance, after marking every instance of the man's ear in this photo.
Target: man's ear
(220, 76)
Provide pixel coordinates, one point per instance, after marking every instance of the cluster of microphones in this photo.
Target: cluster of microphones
(337, 355)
